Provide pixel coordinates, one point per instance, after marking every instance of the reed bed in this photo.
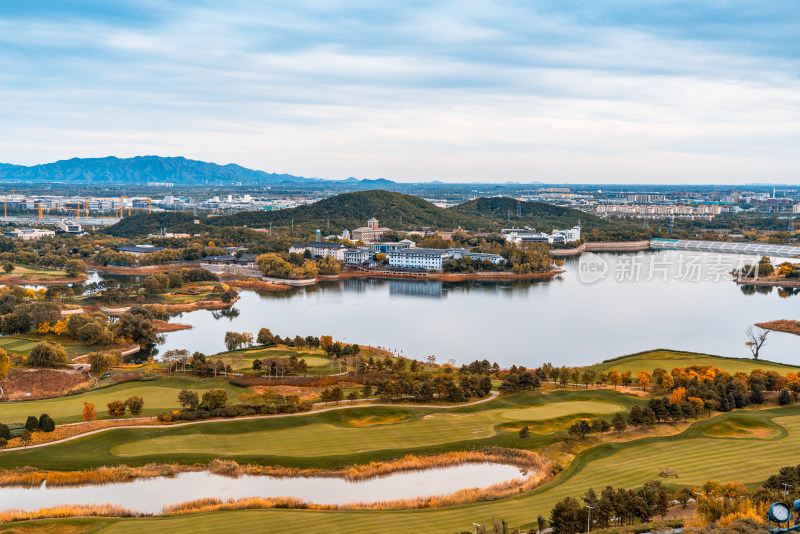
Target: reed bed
(72, 510)
(31, 477)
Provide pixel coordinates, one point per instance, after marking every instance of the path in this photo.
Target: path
(492, 395)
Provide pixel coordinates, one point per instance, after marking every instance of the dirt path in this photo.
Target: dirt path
(492, 395)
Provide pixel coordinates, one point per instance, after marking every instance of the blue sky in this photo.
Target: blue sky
(618, 91)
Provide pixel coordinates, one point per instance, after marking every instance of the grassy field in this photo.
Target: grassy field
(669, 359)
(330, 439)
(315, 359)
(159, 396)
(696, 457)
(28, 270)
(23, 345)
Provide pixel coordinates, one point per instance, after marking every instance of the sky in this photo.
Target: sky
(585, 91)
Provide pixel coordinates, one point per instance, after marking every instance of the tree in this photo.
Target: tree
(8, 267)
(615, 378)
(26, 438)
(74, 267)
(137, 328)
(265, 337)
(116, 409)
(352, 396)
(619, 423)
(188, 399)
(756, 338)
(46, 354)
(88, 412)
(366, 390)
(5, 363)
(567, 517)
(644, 379)
(46, 423)
(666, 473)
(683, 496)
(32, 423)
(214, 398)
(524, 432)
(784, 397)
(135, 404)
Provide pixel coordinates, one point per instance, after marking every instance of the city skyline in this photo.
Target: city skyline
(454, 91)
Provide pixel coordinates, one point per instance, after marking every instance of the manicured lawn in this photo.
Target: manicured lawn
(28, 270)
(23, 345)
(693, 455)
(159, 396)
(334, 438)
(669, 359)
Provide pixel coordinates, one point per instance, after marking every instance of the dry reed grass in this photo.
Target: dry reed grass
(72, 510)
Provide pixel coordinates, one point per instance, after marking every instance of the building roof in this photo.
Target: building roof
(422, 251)
(141, 248)
(319, 244)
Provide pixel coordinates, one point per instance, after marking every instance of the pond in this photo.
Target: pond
(647, 300)
(151, 495)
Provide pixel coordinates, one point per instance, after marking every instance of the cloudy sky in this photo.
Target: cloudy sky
(617, 91)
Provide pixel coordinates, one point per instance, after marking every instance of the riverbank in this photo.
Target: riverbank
(782, 325)
(777, 281)
(143, 270)
(445, 277)
(619, 246)
(165, 326)
(42, 280)
(257, 285)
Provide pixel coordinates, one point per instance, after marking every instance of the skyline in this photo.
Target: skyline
(455, 91)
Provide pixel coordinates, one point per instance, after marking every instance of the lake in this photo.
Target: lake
(665, 299)
(151, 495)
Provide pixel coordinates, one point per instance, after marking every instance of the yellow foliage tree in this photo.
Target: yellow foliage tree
(644, 379)
(678, 395)
(88, 412)
(60, 327)
(668, 382)
(614, 378)
(43, 328)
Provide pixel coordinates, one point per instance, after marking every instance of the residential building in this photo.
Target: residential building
(27, 234)
(357, 256)
(458, 253)
(69, 226)
(529, 235)
(388, 246)
(320, 249)
(429, 259)
(370, 233)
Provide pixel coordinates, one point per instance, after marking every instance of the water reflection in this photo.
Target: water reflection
(151, 495)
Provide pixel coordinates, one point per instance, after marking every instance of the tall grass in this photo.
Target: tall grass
(31, 477)
(70, 510)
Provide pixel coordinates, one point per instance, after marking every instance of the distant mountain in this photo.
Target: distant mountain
(143, 169)
(544, 217)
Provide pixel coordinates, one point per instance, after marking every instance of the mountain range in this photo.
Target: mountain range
(142, 170)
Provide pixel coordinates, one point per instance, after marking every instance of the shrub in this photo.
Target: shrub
(785, 397)
(214, 398)
(5, 432)
(32, 423)
(46, 354)
(46, 423)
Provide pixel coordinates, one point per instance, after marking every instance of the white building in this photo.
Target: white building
(355, 256)
(429, 259)
(27, 234)
(529, 235)
(69, 226)
(320, 249)
(458, 253)
(796, 208)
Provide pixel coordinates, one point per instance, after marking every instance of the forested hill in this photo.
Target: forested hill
(544, 217)
(353, 210)
(393, 210)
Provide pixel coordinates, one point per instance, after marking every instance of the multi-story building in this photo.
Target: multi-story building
(388, 246)
(529, 235)
(458, 253)
(27, 234)
(320, 249)
(357, 256)
(370, 233)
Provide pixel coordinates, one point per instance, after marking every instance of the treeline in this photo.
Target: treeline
(214, 403)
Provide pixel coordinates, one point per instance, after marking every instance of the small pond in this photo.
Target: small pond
(151, 495)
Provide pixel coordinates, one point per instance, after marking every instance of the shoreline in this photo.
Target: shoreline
(613, 246)
(444, 277)
(41, 280)
(769, 282)
(144, 269)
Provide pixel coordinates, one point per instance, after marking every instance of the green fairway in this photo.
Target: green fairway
(334, 438)
(315, 359)
(159, 396)
(669, 359)
(695, 457)
(562, 409)
(23, 345)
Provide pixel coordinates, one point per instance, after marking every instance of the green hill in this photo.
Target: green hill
(544, 217)
(142, 224)
(352, 210)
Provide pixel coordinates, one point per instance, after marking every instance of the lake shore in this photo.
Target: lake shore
(444, 277)
(42, 280)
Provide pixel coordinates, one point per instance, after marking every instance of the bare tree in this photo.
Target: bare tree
(756, 337)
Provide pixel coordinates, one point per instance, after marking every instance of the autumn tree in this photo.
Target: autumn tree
(116, 409)
(5, 362)
(644, 379)
(89, 414)
(135, 404)
(614, 378)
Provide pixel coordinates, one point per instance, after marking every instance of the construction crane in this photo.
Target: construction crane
(40, 209)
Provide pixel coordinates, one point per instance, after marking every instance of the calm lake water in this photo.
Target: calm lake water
(648, 300)
(151, 495)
